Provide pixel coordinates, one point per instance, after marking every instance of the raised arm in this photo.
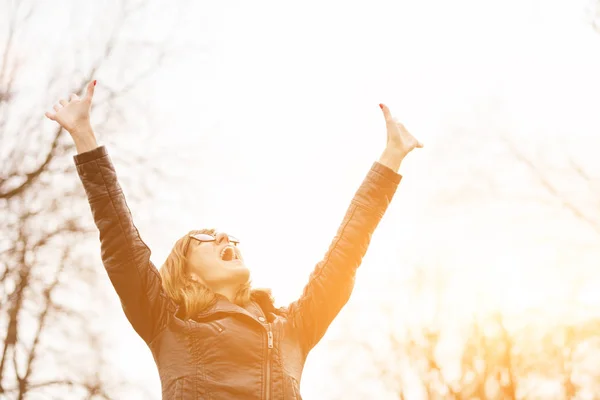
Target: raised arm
(332, 281)
(125, 256)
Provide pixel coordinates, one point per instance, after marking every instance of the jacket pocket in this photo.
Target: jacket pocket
(293, 390)
(205, 327)
(178, 391)
(296, 387)
(216, 326)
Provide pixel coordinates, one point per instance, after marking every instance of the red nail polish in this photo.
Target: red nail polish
(94, 82)
(381, 106)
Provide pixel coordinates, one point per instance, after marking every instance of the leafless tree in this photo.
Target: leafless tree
(533, 354)
(496, 362)
(594, 14)
(576, 171)
(48, 343)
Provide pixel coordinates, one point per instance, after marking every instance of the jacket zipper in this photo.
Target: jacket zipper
(268, 374)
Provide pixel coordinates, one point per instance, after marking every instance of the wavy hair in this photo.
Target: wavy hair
(192, 297)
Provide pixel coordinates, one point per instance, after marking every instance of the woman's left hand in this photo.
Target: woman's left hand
(399, 138)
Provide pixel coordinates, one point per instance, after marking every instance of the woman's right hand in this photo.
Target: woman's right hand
(74, 117)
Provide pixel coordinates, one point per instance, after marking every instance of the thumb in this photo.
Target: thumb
(386, 113)
(90, 91)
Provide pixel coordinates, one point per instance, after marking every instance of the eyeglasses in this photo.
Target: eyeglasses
(205, 237)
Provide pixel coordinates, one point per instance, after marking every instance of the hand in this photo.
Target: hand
(74, 115)
(398, 138)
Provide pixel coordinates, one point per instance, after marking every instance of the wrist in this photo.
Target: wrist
(392, 158)
(84, 142)
(83, 128)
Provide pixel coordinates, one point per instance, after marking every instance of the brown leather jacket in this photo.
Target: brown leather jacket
(227, 352)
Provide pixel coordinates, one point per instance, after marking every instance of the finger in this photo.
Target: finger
(420, 145)
(57, 107)
(73, 97)
(90, 91)
(400, 124)
(50, 116)
(386, 113)
(63, 102)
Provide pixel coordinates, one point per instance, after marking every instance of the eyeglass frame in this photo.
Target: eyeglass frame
(212, 238)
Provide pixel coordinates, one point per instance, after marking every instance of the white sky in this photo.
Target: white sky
(274, 114)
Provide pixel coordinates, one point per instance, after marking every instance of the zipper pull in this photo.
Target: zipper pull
(270, 336)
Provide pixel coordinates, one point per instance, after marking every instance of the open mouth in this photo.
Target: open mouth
(229, 254)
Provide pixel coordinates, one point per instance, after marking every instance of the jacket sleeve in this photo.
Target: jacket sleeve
(124, 255)
(332, 281)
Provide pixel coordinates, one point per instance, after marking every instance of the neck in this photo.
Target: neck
(230, 292)
(237, 294)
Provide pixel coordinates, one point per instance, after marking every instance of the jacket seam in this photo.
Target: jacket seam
(132, 260)
(93, 199)
(319, 272)
(368, 209)
(92, 161)
(392, 179)
(333, 248)
(389, 179)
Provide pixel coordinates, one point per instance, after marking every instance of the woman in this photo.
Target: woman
(211, 335)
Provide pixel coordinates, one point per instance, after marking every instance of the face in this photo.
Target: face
(217, 263)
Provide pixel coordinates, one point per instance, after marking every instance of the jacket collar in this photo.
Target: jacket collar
(260, 297)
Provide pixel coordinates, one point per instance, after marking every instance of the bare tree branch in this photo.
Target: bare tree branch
(42, 318)
(544, 182)
(36, 210)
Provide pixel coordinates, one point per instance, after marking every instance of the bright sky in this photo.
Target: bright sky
(274, 115)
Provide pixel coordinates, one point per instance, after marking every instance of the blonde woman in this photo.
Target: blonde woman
(212, 336)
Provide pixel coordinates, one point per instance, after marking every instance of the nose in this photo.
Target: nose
(222, 237)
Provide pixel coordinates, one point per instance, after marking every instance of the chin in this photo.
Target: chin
(237, 267)
(242, 276)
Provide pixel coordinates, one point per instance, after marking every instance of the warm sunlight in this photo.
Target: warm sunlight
(261, 119)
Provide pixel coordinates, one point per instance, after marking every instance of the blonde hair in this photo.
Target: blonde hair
(192, 297)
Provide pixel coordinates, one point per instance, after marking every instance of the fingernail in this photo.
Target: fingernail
(94, 82)
(381, 106)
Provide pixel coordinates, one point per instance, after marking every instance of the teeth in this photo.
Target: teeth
(233, 253)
